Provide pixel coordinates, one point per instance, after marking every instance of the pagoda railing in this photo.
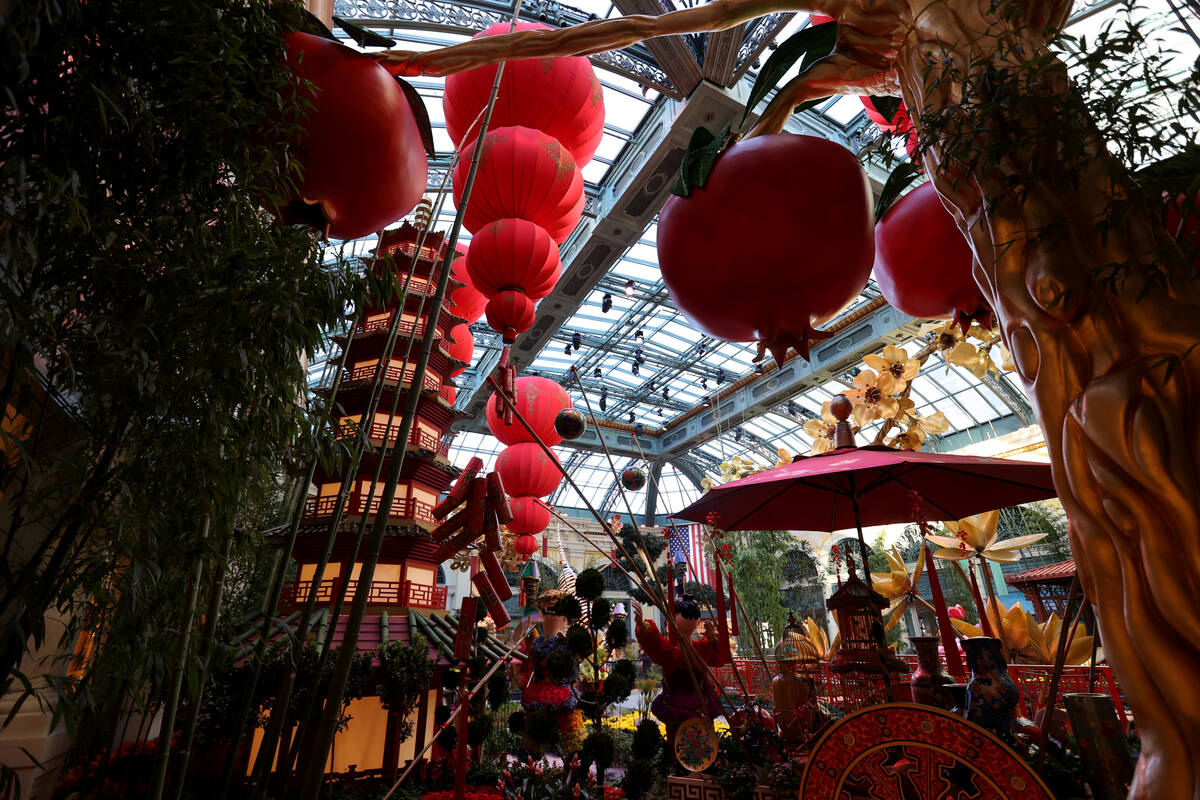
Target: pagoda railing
(381, 323)
(378, 430)
(1033, 681)
(395, 373)
(390, 593)
(403, 508)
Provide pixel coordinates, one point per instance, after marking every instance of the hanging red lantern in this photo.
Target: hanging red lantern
(466, 302)
(923, 264)
(538, 400)
(560, 96)
(527, 471)
(450, 393)
(360, 125)
(530, 515)
(459, 345)
(510, 313)
(731, 272)
(514, 254)
(525, 545)
(524, 174)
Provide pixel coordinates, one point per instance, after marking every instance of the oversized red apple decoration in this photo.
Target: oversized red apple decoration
(923, 264)
(775, 243)
(363, 163)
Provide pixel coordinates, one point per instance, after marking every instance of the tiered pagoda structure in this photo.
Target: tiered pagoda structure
(407, 570)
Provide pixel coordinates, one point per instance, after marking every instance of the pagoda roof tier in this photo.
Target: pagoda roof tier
(434, 405)
(372, 347)
(421, 466)
(418, 289)
(378, 327)
(360, 378)
(401, 542)
(396, 248)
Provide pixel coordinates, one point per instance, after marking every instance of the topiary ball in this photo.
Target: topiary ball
(647, 739)
(598, 749)
(617, 635)
(639, 779)
(477, 667)
(579, 641)
(477, 730)
(560, 666)
(569, 423)
(441, 715)
(516, 722)
(541, 726)
(589, 584)
(617, 688)
(451, 678)
(601, 613)
(447, 739)
(497, 688)
(626, 669)
(569, 607)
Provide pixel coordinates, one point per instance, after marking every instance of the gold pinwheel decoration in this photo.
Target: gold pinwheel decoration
(899, 587)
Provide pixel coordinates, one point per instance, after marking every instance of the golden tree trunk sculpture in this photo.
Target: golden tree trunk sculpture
(1111, 368)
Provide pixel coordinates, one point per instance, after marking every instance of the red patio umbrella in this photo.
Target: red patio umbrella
(854, 486)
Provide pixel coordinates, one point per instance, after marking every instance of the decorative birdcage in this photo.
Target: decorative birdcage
(864, 666)
(797, 651)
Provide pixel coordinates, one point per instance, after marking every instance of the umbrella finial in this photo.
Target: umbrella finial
(841, 408)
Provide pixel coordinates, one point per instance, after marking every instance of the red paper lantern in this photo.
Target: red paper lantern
(560, 96)
(525, 544)
(359, 127)
(450, 393)
(461, 348)
(530, 515)
(923, 264)
(527, 471)
(514, 254)
(466, 302)
(729, 271)
(523, 174)
(510, 313)
(538, 400)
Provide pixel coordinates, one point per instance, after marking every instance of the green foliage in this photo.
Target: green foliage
(598, 749)
(579, 641)
(1037, 518)
(600, 613)
(757, 569)
(703, 150)
(647, 739)
(617, 635)
(589, 584)
(808, 46)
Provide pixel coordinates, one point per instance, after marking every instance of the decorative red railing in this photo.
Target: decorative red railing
(1033, 681)
(389, 593)
(379, 430)
(381, 324)
(404, 508)
(395, 373)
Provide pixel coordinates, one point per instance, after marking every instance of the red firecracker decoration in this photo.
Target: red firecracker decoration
(923, 264)
(732, 272)
(559, 96)
(525, 174)
(528, 471)
(360, 126)
(530, 515)
(459, 345)
(538, 400)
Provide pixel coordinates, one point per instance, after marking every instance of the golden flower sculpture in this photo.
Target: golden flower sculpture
(895, 362)
(977, 536)
(900, 587)
(918, 429)
(1044, 641)
(1011, 626)
(822, 430)
(1025, 641)
(816, 634)
(872, 394)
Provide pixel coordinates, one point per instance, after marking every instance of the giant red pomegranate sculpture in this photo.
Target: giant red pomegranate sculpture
(776, 242)
(360, 128)
(923, 264)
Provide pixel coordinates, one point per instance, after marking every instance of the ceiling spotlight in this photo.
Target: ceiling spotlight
(758, 369)
(631, 418)
(567, 349)
(666, 395)
(652, 386)
(606, 303)
(720, 375)
(737, 435)
(641, 358)
(634, 368)
(576, 340)
(660, 412)
(603, 398)
(791, 408)
(638, 429)
(596, 373)
(629, 288)
(639, 336)
(701, 351)
(704, 383)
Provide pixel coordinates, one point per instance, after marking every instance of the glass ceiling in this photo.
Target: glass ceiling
(671, 368)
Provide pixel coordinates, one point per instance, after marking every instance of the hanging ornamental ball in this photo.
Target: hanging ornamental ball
(525, 545)
(633, 479)
(569, 423)
(359, 122)
(711, 242)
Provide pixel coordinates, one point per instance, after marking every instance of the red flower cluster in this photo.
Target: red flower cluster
(472, 793)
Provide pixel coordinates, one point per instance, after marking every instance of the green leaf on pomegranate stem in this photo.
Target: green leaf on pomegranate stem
(897, 182)
(420, 114)
(813, 43)
(887, 106)
(364, 37)
(698, 161)
(295, 17)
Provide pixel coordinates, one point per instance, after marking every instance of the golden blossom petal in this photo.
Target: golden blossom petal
(877, 363)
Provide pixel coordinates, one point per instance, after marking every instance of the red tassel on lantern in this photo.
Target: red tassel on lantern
(733, 607)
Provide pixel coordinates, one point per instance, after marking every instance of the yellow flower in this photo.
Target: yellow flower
(1044, 640)
(875, 393)
(894, 361)
(977, 535)
(911, 439)
(934, 423)
(898, 586)
(815, 634)
(785, 458)
(1010, 625)
(822, 430)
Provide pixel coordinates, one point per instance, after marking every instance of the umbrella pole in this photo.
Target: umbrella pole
(954, 662)
(862, 542)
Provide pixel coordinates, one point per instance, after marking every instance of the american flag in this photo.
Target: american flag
(687, 542)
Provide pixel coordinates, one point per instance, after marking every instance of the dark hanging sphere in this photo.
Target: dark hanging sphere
(569, 423)
(633, 479)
